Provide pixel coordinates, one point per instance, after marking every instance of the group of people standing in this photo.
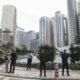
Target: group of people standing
(12, 60)
(64, 57)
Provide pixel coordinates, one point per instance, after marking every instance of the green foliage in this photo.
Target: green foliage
(74, 66)
(21, 51)
(77, 50)
(48, 51)
(18, 50)
(7, 46)
(24, 50)
(6, 49)
(75, 53)
(50, 66)
(77, 39)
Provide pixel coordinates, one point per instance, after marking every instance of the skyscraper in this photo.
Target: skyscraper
(60, 30)
(79, 15)
(35, 43)
(8, 23)
(30, 35)
(46, 31)
(78, 37)
(20, 39)
(72, 20)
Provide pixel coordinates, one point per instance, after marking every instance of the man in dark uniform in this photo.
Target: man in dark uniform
(42, 57)
(13, 61)
(29, 61)
(64, 57)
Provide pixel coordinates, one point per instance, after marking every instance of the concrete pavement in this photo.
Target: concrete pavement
(4, 78)
(21, 72)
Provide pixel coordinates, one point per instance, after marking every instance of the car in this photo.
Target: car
(2, 61)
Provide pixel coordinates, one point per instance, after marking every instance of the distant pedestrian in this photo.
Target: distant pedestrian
(6, 63)
(13, 61)
(29, 60)
(42, 63)
(65, 57)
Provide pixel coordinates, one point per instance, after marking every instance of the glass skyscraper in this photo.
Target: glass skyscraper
(46, 31)
(73, 20)
(60, 30)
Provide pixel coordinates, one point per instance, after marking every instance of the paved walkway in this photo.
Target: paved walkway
(21, 72)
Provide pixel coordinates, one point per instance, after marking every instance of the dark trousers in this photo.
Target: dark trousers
(67, 68)
(12, 67)
(42, 67)
(29, 64)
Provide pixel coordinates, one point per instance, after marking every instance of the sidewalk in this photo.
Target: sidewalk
(21, 72)
(3, 78)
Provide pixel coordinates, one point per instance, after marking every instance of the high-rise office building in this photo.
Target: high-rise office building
(46, 31)
(20, 39)
(30, 35)
(72, 20)
(35, 43)
(78, 36)
(79, 15)
(8, 23)
(60, 30)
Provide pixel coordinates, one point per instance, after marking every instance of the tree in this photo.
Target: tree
(49, 52)
(24, 50)
(77, 50)
(18, 50)
(72, 51)
(77, 39)
(75, 54)
(21, 51)
(6, 48)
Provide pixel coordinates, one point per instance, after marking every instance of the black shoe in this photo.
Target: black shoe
(40, 75)
(9, 72)
(68, 74)
(44, 75)
(62, 74)
(12, 72)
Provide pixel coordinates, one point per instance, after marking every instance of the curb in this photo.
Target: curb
(37, 78)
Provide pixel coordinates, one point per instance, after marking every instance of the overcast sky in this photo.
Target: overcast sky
(30, 11)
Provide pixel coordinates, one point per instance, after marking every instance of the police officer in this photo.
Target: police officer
(42, 63)
(64, 57)
(13, 61)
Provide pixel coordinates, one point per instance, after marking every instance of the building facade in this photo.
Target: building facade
(46, 31)
(72, 20)
(20, 39)
(60, 30)
(8, 22)
(78, 37)
(35, 43)
(30, 35)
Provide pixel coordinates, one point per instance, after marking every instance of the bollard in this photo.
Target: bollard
(56, 71)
